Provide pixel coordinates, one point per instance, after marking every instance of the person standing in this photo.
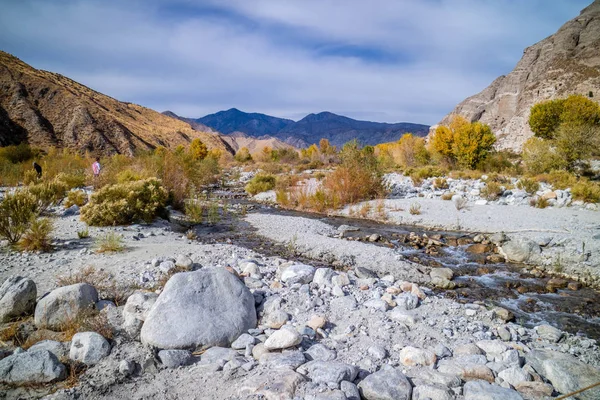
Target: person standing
(38, 169)
(96, 167)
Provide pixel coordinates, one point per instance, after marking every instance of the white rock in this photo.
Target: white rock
(282, 339)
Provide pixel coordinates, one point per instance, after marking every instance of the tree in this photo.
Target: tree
(243, 155)
(198, 150)
(546, 117)
(326, 148)
(540, 157)
(412, 151)
(442, 140)
(577, 142)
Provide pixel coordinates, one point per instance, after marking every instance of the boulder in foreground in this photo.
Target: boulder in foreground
(200, 309)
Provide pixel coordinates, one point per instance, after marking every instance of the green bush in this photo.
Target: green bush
(72, 180)
(586, 191)
(491, 191)
(37, 237)
(76, 197)
(260, 183)
(529, 185)
(47, 194)
(125, 203)
(558, 179)
(419, 174)
(17, 211)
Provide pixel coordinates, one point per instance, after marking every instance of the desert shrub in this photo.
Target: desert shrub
(11, 174)
(586, 191)
(260, 183)
(47, 194)
(18, 153)
(540, 156)
(547, 117)
(125, 203)
(194, 211)
(128, 175)
(539, 202)
(440, 183)
(285, 155)
(497, 161)
(37, 237)
(72, 180)
(212, 214)
(104, 282)
(198, 150)
(243, 155)
(529, 185)
(558, 179)
(447, 196)
(465, 174)
(17, 210)
(30, 177)
(576, 143)
(76, 197)
(110, 242)
(83, 234)
(491, 191)
(419, 174)
(415, 209)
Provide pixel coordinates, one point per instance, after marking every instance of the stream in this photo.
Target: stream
(477, 279)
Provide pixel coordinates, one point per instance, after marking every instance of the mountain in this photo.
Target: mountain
(254, 124)
(567, 62)
(47, 109)
(310, 129)
(255, 145)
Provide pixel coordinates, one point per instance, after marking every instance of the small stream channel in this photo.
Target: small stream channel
(477, 279)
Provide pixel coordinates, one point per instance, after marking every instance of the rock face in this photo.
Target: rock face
(565, 63)
(47, 109)
(17, 297)
(565, 372)
(63, 305)
(209, 307)
(31, 367)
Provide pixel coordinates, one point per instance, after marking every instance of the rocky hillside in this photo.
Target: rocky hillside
(565, 63)
(47, 109)
(310, 129)
(255, 145)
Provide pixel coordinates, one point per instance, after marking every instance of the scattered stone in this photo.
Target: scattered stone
(278, 384)
(520, 250)
(328, 372)
(492, 346)
(59, 349)
(386, 384)
(437, 392)
(316, 322)
(478, 248)
(17, 298)
(204, 308)
(286, 359)
(514, 375)
(31, 367)
(407, 301)
(365, 273)
(412, 356)
(298, 273)
(481, 390)
(126, 367)
(282, 339)
(184, 262)
(534, 389)
(88, 348)
(504, 334)
(323, 276)
(64, 305)
(549, 333)
(377, 352)
(136, 311)
(175, 358)
(504, 314)
(243, 341)
(320, 352)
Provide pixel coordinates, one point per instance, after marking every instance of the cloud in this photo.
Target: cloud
(384, 60)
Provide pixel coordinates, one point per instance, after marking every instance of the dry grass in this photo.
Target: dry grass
(539, 202)
(492, 190)
(586, 191)
(528, 185)
(415, 209)
(110, 242)
(15, 332)
(37, 238)
(460, 203)
(365, 210)
(103, 281)
(447, 196)
(83, 234)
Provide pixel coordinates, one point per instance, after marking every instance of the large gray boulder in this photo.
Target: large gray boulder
(386, 384)
(328, 372)
(565, 372)
(520, 250)
(205, 308)
(136, 310)
(482, 390)
(64, 305)
(17, 297)
(89, 348)
(31, 367)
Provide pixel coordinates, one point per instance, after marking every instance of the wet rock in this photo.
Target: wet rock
(549, 333)
(88, 348)
(31, 367)
(59, 349)
(413, 356)
(63, 305)
(136, 311)
(386, 384)
(503, 314)
(175, 358)
(208, 307)
(282, 339)
(298, 273)
(520, 250)
(277, 384)
(565, 372)
(17, 298)
(480, 390)
(328, 372)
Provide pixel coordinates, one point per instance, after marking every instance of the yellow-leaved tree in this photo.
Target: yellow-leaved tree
(198, 150)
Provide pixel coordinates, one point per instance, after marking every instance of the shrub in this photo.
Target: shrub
(497, 161)
(37, 237)
(558, 179)
(491, 191)
(529, 185)
(83, 234)
(30, 177)
(125, 203)
(419, 174)
(440, 183)
(47, 194)
(547, 117)
(76, 197)
(194, 211)
(415, 209)
(586, 191)
(212, 215)
(72, 180)
(243, 155)
(128, 175)
(260, 183)
(198, 150)
(460, 203)
(17, 210)
(539, 202)
(575, 143)
(447, 196)
(110, 242)
(18, 154)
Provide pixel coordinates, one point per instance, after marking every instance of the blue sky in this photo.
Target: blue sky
(381, 60)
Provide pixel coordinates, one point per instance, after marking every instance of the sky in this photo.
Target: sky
(379, 60)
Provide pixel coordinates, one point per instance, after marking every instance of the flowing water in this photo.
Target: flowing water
(478, 280)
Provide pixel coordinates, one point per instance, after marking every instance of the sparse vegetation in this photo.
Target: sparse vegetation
(83, 234)
(37, 237)
(17, 210)
(110, 242)
(47, 194)
(415, 209)
(104, 282)
(586, 191)
(539, 202)
(460, 203)
(447, 196)
(491, 191)
(260, 183)
(194, 211)
(76, 197)
(528, 185)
